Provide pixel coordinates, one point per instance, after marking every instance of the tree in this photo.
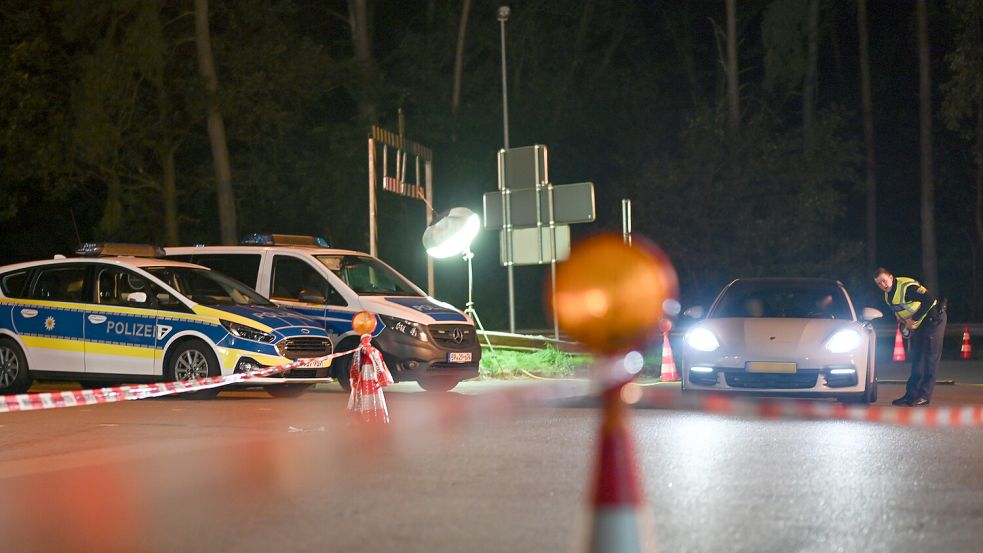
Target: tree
(868, 117)
(929, 258)
(216, 127)
(733, 99)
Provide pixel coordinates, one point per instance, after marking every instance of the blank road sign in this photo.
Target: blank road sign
(572, 203)
(523, 167)
(528, 249)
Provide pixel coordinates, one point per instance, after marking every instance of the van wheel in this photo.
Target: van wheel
(14, 375)
(192, 360)
(287, 390)
(341, 366)
(438, 383)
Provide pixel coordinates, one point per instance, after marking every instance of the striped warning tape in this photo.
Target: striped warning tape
(928, 417)
(73, 398)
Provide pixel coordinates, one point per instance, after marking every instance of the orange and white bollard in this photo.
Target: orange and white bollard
(669, 372)
(899, 354)
(618, 522)
(966, 351)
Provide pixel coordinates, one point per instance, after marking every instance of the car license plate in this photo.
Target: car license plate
(770, 367)
(459, 357)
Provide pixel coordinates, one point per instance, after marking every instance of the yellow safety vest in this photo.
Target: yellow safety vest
(906, 310)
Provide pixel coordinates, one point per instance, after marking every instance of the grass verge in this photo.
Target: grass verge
(545, 363)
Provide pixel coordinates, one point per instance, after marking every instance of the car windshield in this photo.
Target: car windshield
(207, 287)
(368, 276)
(803, 300)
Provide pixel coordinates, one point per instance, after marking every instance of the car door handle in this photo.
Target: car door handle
(29, 313)
(97, 319)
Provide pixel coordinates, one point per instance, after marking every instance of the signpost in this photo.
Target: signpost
(533, 214)
(387, 144)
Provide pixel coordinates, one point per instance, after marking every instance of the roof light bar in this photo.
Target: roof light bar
(118, 249)
(259, 239)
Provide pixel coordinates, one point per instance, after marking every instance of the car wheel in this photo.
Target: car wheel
(15, 378)
(287, 390)
(438, 383)
(192, 360)
(341, 366)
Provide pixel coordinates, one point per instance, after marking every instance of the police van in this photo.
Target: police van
(121, 313)
(421, 339)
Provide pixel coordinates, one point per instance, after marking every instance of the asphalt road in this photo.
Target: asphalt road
(461, 472)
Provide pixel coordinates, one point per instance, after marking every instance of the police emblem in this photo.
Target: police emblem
(49, 323)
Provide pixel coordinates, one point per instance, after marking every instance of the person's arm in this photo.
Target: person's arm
(919, 293)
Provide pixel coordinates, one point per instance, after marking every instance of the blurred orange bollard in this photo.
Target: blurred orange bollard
(966, 351)
(898, 346)
(617, 502)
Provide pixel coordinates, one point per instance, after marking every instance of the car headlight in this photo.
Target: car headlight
(247, 332)
(409, 328)
(843, 341)
(702, 339)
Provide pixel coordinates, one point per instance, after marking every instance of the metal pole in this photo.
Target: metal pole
(428, 179)
(626, 220)
(503, 16)
(372, 206)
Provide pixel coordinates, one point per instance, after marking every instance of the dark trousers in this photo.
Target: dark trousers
(926, 352)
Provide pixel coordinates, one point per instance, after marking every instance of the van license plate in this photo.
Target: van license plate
(459, 357)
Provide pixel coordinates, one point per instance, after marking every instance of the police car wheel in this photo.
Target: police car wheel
(287, 390)
(193, 360)
(438, 383)
(14, 375)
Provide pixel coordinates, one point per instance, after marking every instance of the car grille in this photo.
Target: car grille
(454, 337)
(799, 380)
(299, 348)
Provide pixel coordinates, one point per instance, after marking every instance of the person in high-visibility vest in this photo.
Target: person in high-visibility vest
(922, 317)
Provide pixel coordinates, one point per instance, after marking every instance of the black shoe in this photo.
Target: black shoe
(921, 402)
(903, 400)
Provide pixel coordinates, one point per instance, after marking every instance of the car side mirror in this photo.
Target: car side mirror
(695, 312)
(869, 314)
(136, 297)
(311, 297)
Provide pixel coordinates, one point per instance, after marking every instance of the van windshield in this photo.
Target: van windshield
(368, 276)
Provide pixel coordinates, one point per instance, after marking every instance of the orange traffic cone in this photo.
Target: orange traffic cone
(369, 375)
(617, 499)
(669, 372)
(966, 351)
(898, 346)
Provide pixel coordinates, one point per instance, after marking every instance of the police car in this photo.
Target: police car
(121, 314)
(421, 338)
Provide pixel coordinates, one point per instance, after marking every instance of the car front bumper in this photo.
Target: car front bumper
(411, 359)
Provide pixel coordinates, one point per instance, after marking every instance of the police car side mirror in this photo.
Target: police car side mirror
(136, 297)
(695, 312)
(869, 314)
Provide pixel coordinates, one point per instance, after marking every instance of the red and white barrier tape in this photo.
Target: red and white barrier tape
(74, 398)
(926, 417)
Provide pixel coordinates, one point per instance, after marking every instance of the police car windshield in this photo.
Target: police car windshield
(367, 276)
(207, 287)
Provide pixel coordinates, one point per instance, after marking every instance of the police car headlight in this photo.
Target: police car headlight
(843, 341)
(409, 328)
(247, 332)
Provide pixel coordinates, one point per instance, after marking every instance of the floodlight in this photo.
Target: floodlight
(451, 234)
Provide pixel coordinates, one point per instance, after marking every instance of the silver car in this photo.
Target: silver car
(783, 336)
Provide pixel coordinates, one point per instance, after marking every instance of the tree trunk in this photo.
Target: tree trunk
(809, 80)
(169, 191)
(733, 103)
(929, 260)
(867, 109)
(216, 127)
(358, 20)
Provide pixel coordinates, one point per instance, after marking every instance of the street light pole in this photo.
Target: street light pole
(503, 16)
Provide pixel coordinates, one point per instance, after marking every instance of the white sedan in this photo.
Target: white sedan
(783, 336)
